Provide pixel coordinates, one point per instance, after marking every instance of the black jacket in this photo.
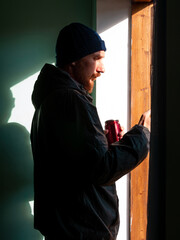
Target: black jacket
(74, 172)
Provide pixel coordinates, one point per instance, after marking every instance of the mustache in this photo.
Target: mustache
(94, 76)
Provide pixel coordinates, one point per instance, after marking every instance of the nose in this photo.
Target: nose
(100, 68)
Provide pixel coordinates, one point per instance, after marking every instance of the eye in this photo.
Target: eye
(97, 58)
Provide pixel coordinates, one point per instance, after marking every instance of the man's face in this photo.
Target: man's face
(87, 69)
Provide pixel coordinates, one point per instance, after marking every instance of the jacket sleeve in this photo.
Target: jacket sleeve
(79, 147)
(125, 155)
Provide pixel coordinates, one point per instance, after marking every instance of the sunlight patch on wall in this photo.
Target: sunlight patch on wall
(23, 111)
(112, 96)
(112, 86)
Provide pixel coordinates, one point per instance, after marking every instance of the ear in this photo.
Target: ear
(73, 64)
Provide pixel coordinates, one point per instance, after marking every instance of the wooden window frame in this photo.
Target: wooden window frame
(141, 51)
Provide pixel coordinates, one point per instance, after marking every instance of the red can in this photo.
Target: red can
(114, 130)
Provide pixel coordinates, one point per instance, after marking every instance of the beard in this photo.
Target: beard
(90, 84)
(94, 76)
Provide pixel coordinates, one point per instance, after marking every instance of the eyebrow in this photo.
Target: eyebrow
(99, 55)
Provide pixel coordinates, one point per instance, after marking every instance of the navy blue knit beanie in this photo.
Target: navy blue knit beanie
(76, 41)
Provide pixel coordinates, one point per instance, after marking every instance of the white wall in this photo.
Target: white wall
(112, 89)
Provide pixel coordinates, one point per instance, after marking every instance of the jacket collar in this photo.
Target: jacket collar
(52, 78)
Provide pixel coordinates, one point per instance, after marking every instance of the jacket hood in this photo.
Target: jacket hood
(52, 78)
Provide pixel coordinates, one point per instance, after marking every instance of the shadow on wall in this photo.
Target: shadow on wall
(28, 35)
(16, 172)
(29, 30)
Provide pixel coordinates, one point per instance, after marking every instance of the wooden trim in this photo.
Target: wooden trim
(140, 102)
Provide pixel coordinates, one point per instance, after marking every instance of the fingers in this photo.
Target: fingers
(121, 128)
(147, 114)
(145, 119)
(106, 131)
(122, 132)
(141, 121)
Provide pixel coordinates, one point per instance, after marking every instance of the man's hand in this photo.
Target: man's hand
(121, 134)
(145, 120)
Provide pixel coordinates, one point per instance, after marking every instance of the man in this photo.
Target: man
(74, 171)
